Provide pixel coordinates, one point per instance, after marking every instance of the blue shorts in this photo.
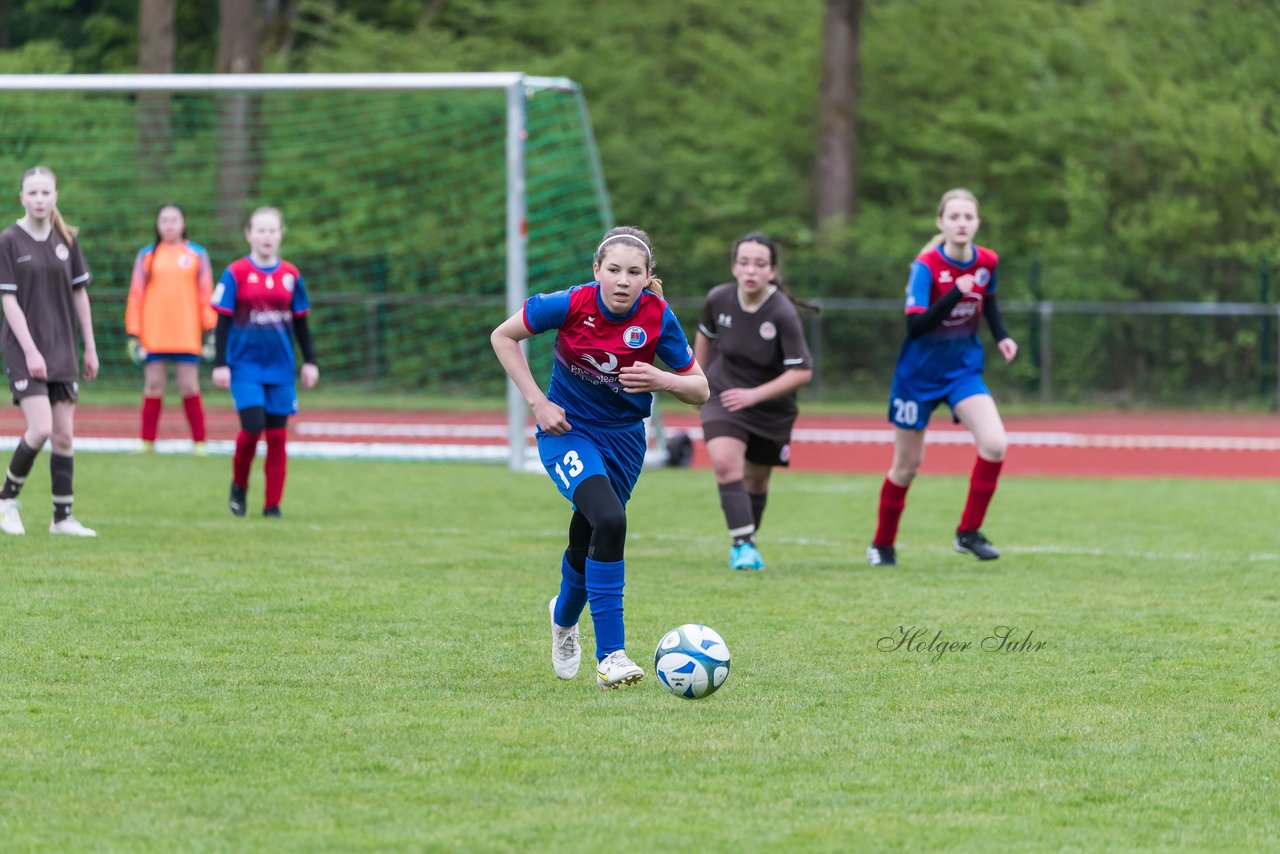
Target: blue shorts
(911, 405)
(173, 357)
(582, 452)
(274, 398)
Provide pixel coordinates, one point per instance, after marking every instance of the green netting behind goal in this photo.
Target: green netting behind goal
(395, 207)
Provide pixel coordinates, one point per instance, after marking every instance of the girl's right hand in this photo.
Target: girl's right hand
(222, 377)
(36, 366)
(551, 418)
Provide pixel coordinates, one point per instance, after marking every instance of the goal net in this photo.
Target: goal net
(420, 208)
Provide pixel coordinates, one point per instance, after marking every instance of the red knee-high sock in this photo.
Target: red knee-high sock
(982, 485)
(151, 407)
(892, 499)
(246, 447)
(276, 466)
(195, 416)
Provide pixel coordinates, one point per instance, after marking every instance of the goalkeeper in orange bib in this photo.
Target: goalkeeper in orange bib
(169, 319)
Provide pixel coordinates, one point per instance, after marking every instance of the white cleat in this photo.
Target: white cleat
(566, 651)
(71, 527)
(616, 670)
(10, 521)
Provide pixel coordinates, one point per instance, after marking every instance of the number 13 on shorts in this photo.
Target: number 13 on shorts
(569, 460)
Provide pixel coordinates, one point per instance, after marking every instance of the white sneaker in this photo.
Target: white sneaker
(566, 652)
(10, 521)
(72, 527)
(615, 670)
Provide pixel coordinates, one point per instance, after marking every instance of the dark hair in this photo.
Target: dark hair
(629, 235)
(177, 207)
(775, 263)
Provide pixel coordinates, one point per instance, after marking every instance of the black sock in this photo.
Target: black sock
(737, 511)
(61, 469)
(19, 467)
(758, 501)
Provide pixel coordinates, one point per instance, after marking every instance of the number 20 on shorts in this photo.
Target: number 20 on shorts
(905, 411)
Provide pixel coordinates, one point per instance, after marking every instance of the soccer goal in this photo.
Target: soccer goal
(421, 208)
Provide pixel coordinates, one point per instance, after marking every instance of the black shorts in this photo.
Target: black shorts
(56, 392)
(761, 450)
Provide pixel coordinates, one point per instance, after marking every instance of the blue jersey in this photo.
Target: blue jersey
(593, 344)
(951, 349)
(262, 303)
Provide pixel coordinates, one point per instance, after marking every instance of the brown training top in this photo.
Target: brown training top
(751, 348)
(42, 274)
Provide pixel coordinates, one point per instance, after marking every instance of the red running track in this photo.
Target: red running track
(1103, 444)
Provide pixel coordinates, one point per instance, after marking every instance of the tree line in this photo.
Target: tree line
(1129, 144)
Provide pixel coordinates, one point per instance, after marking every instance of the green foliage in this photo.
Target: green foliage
(1132, 148)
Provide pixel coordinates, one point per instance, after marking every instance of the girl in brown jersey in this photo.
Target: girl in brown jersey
(752, 345)
(43, 278)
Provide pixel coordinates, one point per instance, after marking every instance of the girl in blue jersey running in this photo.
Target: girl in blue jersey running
(952, 286)
(590, 427)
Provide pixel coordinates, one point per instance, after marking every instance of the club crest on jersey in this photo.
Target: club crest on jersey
(62, 252)
(768, 331)
(982, 276)
(634, 337)
(287, 281)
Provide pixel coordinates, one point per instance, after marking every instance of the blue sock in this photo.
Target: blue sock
(573, 595)
(604, 588)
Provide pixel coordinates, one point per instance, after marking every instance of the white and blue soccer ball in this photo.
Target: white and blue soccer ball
(692, 661)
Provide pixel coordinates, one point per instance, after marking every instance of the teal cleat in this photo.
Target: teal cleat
(745, 556)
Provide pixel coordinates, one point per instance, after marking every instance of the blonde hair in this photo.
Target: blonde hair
(68, 232)
(265, 210)
(949, 195)
(630, 235)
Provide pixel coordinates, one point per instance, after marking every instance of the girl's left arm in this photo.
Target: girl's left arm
(85, 316)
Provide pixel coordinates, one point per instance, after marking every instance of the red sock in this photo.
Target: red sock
(246, 447)
(982, 485)
(892, 499)
(195, 416)
(151, 417)
(276, 466)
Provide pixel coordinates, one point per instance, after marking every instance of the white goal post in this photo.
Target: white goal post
(519, 89)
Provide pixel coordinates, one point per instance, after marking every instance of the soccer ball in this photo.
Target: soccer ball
(691, 661)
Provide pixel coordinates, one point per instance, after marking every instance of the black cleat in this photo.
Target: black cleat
(881, 556)
(973, 543)
(272, 512)
(235, 502)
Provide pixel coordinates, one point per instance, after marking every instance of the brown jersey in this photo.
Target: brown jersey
(751, 348)
(42, 274)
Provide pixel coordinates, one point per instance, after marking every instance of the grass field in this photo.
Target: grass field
(371, 673)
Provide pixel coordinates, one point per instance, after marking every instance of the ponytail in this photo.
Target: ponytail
(655, 285)
(68, 232)
(932, 244)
